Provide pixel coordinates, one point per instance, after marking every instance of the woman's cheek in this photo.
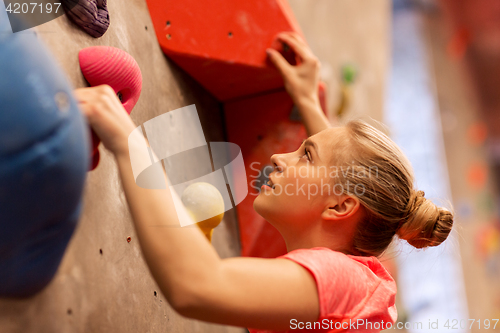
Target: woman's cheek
(291, 189)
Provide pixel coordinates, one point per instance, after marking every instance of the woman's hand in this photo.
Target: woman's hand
(301, 81)
(106, 115)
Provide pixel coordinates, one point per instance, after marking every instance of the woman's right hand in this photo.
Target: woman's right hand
(301, 81)
(106, 115)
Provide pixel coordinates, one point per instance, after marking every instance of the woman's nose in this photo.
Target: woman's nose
(278, 162)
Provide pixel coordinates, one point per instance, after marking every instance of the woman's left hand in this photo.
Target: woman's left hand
(106, 115)
(301, 81)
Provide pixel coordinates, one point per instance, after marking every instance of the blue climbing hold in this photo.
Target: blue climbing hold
(44, 149)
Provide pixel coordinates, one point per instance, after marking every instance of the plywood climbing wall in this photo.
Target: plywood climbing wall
(103, 284)
(350, 32)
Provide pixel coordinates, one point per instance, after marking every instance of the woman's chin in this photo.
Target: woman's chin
(259, 205)
(256, 204)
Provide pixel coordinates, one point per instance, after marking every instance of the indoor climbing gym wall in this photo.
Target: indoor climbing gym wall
(159, 56)
(70, 260)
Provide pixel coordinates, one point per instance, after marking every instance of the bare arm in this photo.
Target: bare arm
(301, 81)
(257, 293)
(312, 115)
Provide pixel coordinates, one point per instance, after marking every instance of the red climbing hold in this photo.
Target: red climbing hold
(116, 68)
(222, 43)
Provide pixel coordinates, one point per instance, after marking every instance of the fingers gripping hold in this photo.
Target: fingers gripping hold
(281, 64)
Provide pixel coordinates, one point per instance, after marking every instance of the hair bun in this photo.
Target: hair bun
(425, 224)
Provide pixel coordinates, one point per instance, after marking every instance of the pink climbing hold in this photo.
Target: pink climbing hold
(116, 68)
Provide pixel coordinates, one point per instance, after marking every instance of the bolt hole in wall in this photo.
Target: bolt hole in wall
(169, 36)
(100, 251)
(230, 34)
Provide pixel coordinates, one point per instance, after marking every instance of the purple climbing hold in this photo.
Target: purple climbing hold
(90, 15)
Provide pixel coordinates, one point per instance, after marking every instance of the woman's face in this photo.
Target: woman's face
(301, 184)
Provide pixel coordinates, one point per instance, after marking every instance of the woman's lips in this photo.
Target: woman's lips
(266, 187)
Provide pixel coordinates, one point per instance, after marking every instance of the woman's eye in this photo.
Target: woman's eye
(307, 154)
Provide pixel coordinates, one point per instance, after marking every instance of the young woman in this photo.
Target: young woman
(330, 279)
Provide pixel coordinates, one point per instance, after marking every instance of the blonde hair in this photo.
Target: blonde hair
(391, 203)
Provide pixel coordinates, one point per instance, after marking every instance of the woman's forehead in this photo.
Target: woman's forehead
(330, 136)
(331, 142)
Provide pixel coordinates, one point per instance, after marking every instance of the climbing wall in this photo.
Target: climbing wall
(349, 33)
(103, 284)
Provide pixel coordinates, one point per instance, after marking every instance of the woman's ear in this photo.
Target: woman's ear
(343, 207)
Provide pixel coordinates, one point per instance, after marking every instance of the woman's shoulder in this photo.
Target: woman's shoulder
(374, 265)
(360, 267)
(317, 252)
(346, 283)
(318, 257)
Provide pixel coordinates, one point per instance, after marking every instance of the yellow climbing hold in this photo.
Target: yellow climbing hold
(205, 204)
